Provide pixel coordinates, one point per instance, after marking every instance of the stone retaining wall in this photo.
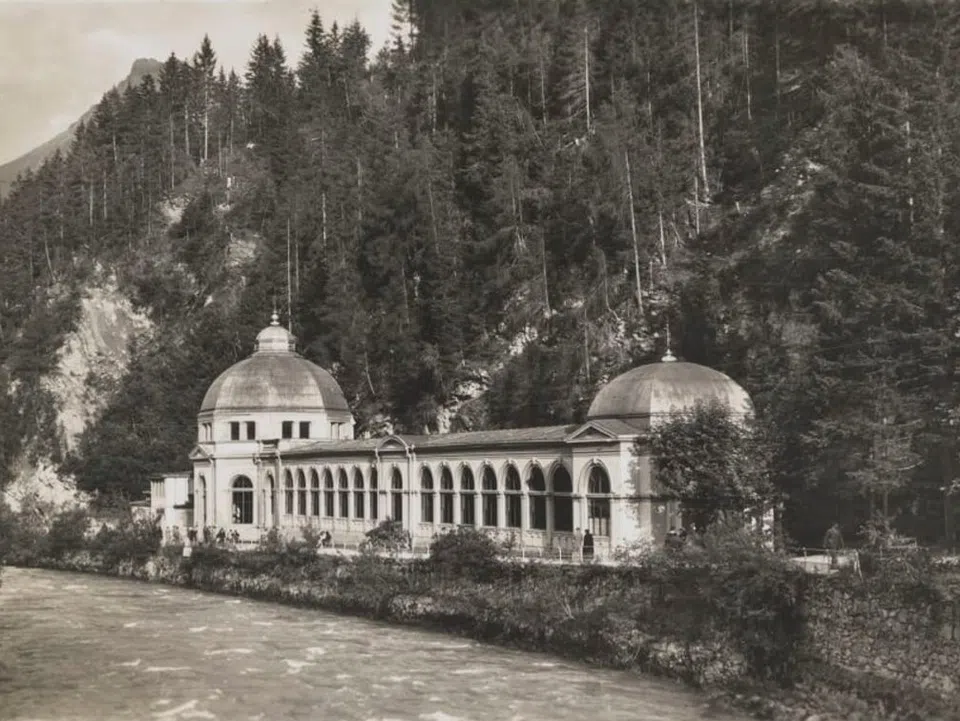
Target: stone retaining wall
(883, 631)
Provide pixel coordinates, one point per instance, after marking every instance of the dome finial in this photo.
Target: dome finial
(668, 357)
(275, 317)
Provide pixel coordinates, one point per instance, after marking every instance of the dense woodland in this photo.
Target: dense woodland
(772, 185)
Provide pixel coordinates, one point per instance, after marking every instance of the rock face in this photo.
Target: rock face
(91, 361)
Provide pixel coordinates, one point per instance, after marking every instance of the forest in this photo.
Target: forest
(529, 197)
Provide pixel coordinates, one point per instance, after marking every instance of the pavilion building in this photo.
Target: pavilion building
(276, 449)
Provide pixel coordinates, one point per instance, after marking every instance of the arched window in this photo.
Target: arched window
(344, 495)
(358, 493)
(537, 488)
(562, 500)
(598, 502)
(426, 495)
(301, 494)
(489, 495)
(513, 494)
(314, 493)
(327, 493)
(468, 494)
(446, 495)
(242, 500)
(396, 494)
(374, 493)
(288, 493)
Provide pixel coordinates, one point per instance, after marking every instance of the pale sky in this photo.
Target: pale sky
(58, 57)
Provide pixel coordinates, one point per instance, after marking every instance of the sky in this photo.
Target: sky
(58, 57)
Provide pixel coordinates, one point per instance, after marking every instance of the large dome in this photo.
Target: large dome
(667, 387)
(275, 377)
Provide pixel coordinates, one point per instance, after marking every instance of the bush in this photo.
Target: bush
(131, 540)
(730, 587)
(68, 531)
(465, 552)
(388, 536)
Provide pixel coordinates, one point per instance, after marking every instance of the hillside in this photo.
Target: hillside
(504, 210)
(33, 159)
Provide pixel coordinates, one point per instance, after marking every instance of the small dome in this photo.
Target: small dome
(275, 377)
(666, 387)
(275, 338)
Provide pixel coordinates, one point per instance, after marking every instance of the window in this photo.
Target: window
(426, 496)
(489, 497)
(234, 430)
(562, 500)
(358, 494)
(301, 494)
(288, 493)
(251, 430)
(344, 494)
(327, 494)
(374, 504)
(537, 487)
(314, 493)
(242, 500)
(304, 429)
(446, 495)
(513, 496)
(598, 502)
(335, 430)
(468, 507)
(287, 429)
(396, 494)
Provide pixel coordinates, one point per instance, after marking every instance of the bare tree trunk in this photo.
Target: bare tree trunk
(586, 71)
(359, 196)
(543, 86)
(703, 154)
(433, 99)
(323, 219)
(186, 130)
(206, 119)
(173, 172)
(433, 217)
(746, 70)
(289, 286)
(543, 267)
(633, 231)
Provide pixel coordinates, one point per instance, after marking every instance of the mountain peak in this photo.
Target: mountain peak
(141, 68)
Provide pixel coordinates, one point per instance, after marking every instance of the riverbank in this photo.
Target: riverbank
(592, 620)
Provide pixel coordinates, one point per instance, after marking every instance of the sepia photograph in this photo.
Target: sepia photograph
(479, 360)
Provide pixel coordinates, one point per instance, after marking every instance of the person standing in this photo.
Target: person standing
(587, 545)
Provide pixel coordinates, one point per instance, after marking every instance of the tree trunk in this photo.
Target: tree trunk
(633, 232)
(703, 154)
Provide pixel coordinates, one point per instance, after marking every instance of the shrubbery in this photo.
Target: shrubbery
(31, 537)
(726, 591)
(466, 552)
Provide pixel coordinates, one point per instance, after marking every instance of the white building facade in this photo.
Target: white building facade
(276, 449)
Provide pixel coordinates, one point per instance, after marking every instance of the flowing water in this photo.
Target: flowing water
(90, 648)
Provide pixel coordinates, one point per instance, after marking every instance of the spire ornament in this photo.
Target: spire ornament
(668, 357)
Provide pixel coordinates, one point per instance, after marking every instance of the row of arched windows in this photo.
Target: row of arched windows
(329, 499)
(339, 498)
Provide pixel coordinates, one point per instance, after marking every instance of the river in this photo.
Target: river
(92, 648)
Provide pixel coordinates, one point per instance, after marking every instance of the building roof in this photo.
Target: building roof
(666, 387)
(469, 439)
(275, 377)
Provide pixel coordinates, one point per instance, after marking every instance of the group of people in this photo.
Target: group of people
(584, 543)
